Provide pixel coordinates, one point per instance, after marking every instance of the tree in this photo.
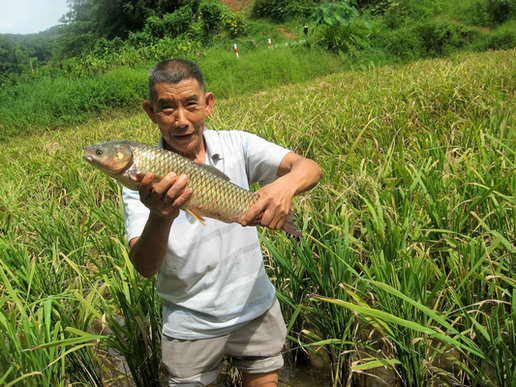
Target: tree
(90, 20)
(7, 55)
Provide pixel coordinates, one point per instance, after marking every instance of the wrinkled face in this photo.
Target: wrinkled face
(109, 157)
(180, 110)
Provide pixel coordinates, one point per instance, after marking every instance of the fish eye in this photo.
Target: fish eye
(99, 152)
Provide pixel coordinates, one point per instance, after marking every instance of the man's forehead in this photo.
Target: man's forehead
(186, 89)
(184, 83)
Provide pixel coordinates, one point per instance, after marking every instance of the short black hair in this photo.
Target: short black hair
(174, 71)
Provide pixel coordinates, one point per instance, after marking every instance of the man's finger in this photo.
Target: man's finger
(177, 187)
(160, 188)
(253, 213)
(181, 199)
(145, 186)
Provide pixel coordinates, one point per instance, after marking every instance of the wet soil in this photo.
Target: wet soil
(289, 376)
(304, 376)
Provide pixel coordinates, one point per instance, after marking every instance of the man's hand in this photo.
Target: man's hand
(164, 198)
(296, 174)
(272, 207)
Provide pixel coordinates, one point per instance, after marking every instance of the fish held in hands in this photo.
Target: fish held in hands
(214, 196)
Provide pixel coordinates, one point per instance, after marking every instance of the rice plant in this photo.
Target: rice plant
(405, 270)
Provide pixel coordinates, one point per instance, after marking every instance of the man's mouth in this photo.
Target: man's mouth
(183, 135)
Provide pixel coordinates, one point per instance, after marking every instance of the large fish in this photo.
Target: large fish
(214, 196)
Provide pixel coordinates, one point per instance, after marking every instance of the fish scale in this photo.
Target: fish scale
(213, 195)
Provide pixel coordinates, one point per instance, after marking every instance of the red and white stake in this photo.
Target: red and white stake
(270, 42)
(236, 50)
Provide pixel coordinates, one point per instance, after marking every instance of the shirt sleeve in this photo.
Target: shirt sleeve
(262, 158)
(135, 213)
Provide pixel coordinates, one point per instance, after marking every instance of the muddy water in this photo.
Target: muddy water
(289, 376)
(304, 376)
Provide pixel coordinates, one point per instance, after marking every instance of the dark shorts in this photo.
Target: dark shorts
(254, 348)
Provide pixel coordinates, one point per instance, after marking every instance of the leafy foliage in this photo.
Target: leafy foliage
(25, 53)
(339, 27)
(425, 39)
(334, 14)
(282, 10)
(91, 20)
(485, 12)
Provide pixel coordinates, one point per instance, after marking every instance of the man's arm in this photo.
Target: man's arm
(296, 174)
(164, 199)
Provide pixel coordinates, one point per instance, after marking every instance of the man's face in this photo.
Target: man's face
(180, 110)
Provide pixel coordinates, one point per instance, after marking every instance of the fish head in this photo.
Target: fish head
(112, 157)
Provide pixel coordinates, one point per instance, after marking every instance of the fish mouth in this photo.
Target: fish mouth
(87, 155)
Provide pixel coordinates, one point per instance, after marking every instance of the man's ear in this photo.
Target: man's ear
(209, 98)
(147, 106)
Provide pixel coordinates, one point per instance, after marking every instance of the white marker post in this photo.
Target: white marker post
(270, 43)
(236, 50)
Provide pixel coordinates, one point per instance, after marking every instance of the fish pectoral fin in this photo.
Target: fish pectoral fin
(136, 176)
(196, 216)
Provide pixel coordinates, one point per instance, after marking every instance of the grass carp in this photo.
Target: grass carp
(214, 196)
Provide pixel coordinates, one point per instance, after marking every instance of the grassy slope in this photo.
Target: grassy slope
(418, 194)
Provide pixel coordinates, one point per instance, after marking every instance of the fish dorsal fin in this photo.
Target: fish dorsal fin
(213, 170)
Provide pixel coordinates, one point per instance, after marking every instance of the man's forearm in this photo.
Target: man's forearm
(303, 174)
(164, 199)
(297, 174)
(148, 251)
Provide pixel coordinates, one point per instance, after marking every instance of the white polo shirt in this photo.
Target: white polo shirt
(213, 277)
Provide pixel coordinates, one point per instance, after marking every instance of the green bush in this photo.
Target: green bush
(343, 38)
(105, 47)
(170, 25)
(339, 27)
(397, 12)
(395, 15)
(499, 11)
(375, 7)
(154, 27)
(282, 10)
(502, 37)
(211, 18)
(484, 12)
(401, 44)
(217, 18)
(425, 39)
(179, 22)
(441, 37)
(137, 39)
(235, 24)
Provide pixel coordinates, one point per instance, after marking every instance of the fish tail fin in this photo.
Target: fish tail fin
(290, 227)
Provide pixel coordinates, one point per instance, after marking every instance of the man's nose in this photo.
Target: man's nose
(181, 119)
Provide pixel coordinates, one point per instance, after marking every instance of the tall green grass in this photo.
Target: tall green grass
(408, 264)
(52, 102)
(405, 270)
